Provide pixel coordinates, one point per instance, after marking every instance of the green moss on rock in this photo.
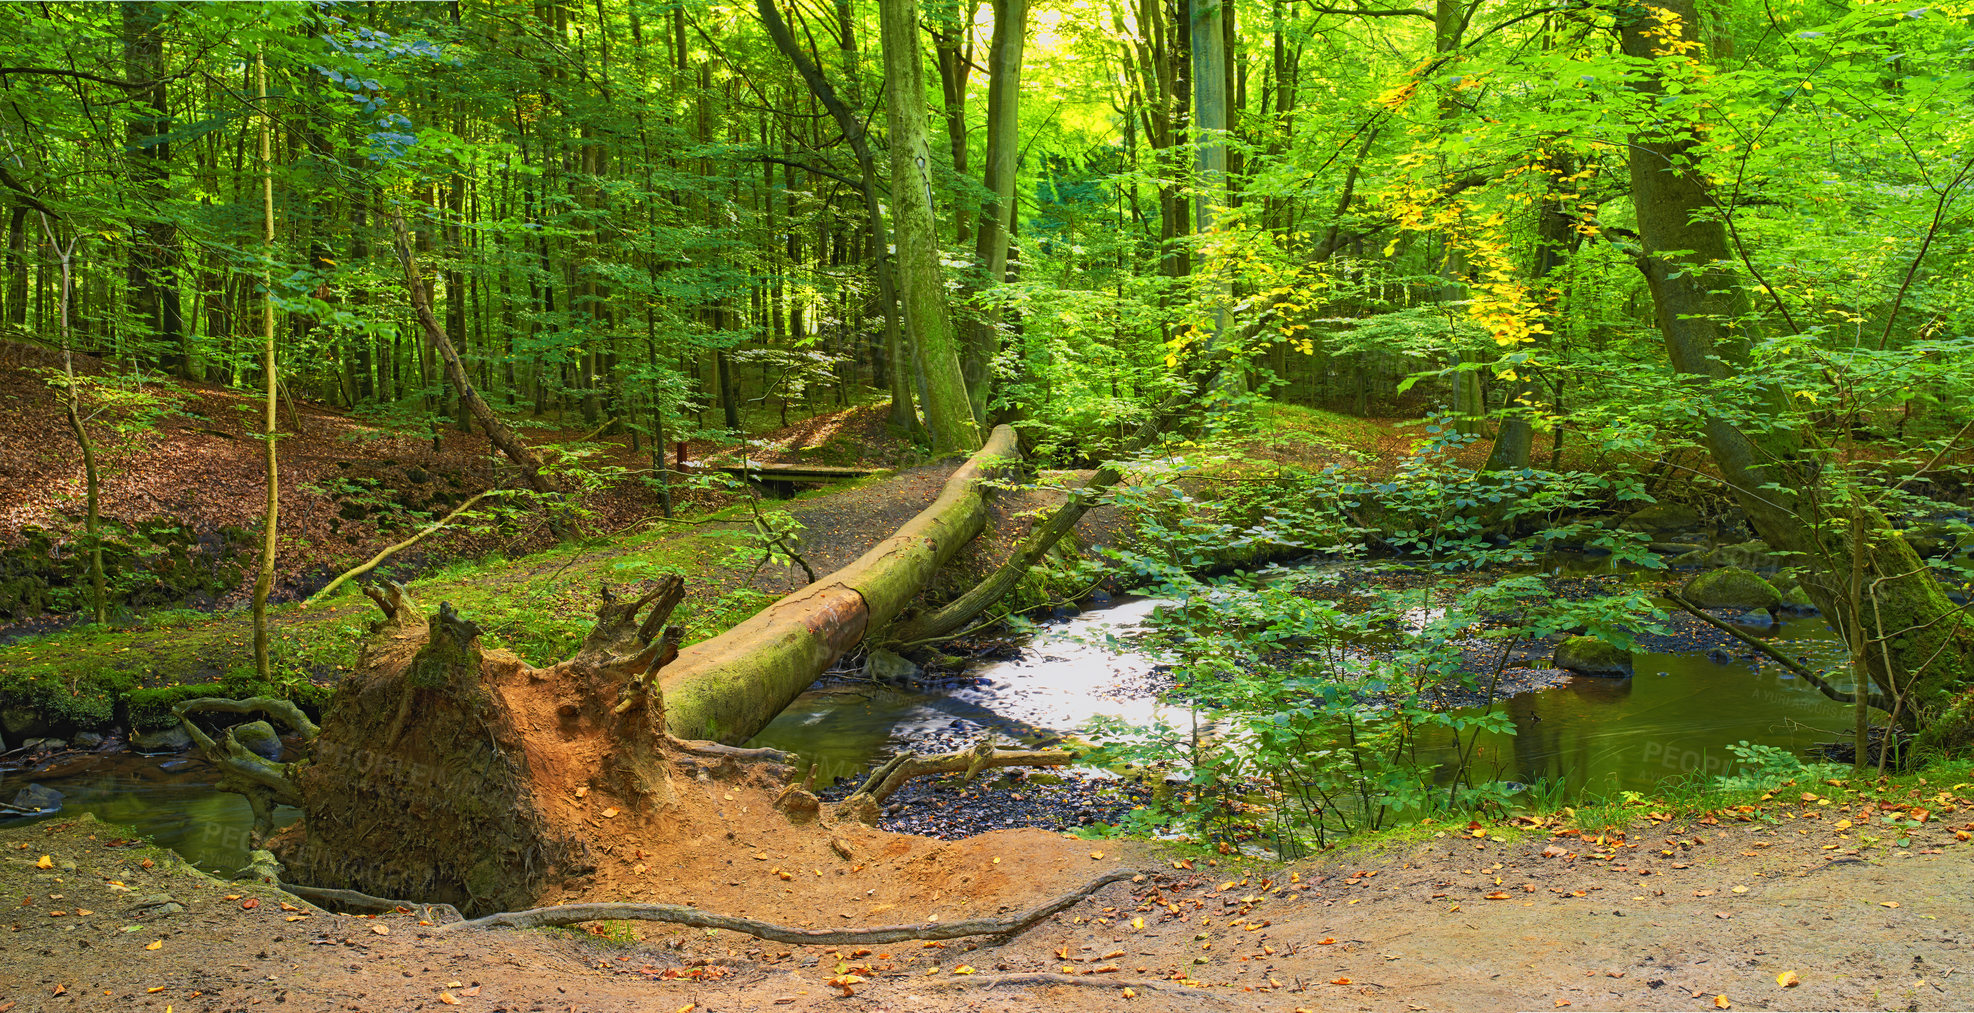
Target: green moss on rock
(1733, 588)
(1591, 656)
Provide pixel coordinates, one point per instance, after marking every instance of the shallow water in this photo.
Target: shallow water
(1674, 718)
(169, 799)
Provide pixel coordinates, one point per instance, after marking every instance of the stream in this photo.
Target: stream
(1673, 718)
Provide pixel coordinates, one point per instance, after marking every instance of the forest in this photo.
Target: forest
(856, 504)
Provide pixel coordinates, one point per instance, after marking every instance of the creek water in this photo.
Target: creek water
(1674, 718)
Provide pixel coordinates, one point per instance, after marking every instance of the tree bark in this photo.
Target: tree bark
(948, 412)
(270, 518)
(990, 252)
(728, 688)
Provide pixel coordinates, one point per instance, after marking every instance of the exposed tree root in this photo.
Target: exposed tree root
(283, 711)
(352, 900)
(863, 803)
(572, 914)
(1046, 979)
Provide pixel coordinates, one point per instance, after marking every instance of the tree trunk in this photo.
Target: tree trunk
(270, 518)
(497, 432)
(728, 688)
(1892, 612)
(990, 254)
(948, 413)
(153, 275)
(849, 119)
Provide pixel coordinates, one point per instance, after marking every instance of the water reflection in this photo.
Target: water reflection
(169, 800)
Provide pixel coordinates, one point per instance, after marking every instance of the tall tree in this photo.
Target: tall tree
(948, 413)
(1916, 643)
(990, 253)
(153, 273)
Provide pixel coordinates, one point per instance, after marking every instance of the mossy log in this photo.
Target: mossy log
(728, 688)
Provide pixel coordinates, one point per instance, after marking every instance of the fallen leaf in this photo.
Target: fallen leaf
(1130, 993)
(382, 930)
(251, 902)
(285, 906)
(1497, 895)
(448, 998)
(158, 945)
(1339, 981)
(610, 813)
(1325, 941)
(1138, 922)
(1096, 854)
(582, 790)
(1888, 903)
(1740, 889)
(1720, 1002)
(44, 862)
(1844, 824)
(1788, 979)
(963, 969)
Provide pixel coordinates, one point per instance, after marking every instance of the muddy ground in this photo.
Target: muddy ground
(1678, 915)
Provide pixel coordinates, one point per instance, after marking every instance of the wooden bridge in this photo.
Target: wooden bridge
(780, 480)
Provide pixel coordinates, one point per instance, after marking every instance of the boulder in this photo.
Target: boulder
(22, 723)
(1732, 588)
(88, 740)
(1750, 555)
(1591, 656)
(259, 737)
(1796, 601)
(1755, 619)
(1668, 522)
(886, 666)
(162, 740)
(39, 798)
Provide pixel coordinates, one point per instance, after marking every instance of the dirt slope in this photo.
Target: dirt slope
(1581, 926)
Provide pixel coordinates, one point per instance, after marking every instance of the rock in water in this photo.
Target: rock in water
(259, 737)
(1733, 588)
(1591, 656)
(1755, 620)
(88, 740)
(39, 798)
(162, 740)
(1669, 522)
(885, 666)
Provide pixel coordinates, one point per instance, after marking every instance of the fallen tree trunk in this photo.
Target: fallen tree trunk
(728, 688)
(954, 616)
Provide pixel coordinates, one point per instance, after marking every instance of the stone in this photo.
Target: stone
(88, 740)
(162, 740)
(259, 737)
(1594, 657)
(886, 666)
(1756, 619)
(1796, 601)
(1666, 522)
(38, 798)
(1732, 588)
(156, 905)
(22, 723)
(1750, 555)
(52, 745)
(1679, 549)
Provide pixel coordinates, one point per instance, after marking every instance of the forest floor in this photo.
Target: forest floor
(1703, 911)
